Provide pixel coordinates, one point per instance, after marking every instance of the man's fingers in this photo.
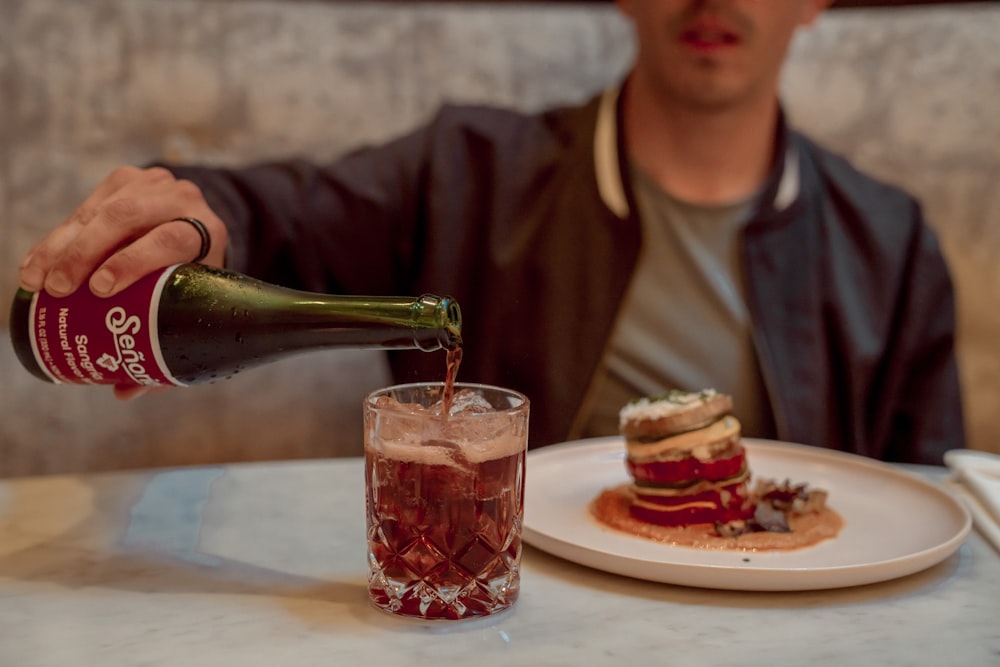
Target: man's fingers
(128, 392)
(171, 242)
(34, 270)
(106, 234)
(39, 261)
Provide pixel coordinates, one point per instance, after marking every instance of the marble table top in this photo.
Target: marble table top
(264, 564)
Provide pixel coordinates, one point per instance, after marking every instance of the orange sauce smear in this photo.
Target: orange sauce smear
(611, 508)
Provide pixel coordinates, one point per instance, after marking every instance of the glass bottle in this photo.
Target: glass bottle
(191, 323)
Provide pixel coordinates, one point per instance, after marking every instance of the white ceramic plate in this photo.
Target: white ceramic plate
(895, 523)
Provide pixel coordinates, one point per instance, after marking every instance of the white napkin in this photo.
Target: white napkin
(978, 483)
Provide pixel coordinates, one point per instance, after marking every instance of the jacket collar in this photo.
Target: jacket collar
(782, 188)
(610, 183)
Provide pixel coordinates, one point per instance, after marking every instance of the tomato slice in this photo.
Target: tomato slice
(728, 503)
(687, 470)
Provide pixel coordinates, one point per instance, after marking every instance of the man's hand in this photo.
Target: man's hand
(124, 230)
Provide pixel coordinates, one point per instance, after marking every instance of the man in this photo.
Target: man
(672, 232)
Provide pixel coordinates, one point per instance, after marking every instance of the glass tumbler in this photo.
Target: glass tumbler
(445, 499)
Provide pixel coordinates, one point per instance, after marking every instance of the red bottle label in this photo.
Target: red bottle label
(85, 339)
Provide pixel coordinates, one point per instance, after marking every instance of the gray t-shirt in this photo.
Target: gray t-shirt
(684, 323)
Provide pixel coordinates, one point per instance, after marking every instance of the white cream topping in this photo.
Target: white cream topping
(663, 406)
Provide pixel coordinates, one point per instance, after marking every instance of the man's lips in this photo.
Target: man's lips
(709, 37)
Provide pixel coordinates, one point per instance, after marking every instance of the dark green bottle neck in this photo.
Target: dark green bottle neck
(299, 319)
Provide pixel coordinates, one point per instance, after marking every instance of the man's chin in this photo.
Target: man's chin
(716, 88)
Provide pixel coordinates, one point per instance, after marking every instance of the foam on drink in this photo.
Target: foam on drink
(474, 431)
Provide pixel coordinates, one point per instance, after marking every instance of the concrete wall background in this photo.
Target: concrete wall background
(910, 94)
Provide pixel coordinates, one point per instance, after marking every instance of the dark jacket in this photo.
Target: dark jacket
(527, 221)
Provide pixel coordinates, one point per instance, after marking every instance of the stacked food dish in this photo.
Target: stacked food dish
(686, 459)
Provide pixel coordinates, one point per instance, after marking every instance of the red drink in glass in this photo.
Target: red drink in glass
(445, 500)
